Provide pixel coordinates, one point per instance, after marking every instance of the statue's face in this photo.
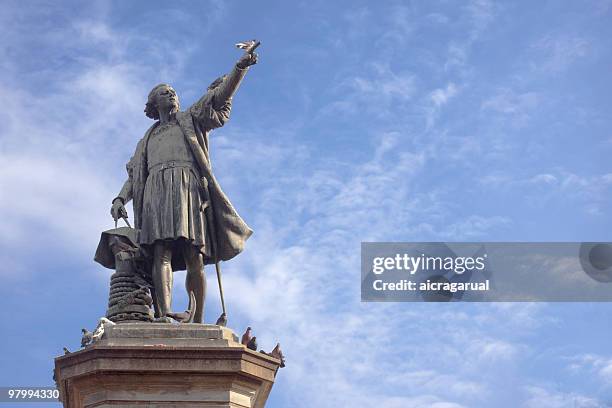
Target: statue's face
(166, 99)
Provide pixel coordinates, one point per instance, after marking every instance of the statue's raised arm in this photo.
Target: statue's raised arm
(213, 109)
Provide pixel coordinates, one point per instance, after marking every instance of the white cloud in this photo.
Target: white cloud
(494, 349)
(517, 105)
(473, 226)
(542, 397)
(605, 372)
(441, 96)
(380, 93)
(544, 178)
(438, 18)
(587, 192)
(477, 16)
(598, 366)
(481, 14)
(560, 51)
(95, 30)
(42, 194)
(436, 99)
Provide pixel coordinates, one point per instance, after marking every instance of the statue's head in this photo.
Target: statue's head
(162, 97)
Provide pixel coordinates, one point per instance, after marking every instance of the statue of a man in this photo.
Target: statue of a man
(183, 217)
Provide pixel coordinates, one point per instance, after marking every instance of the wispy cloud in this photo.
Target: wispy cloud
(589, 192)
(543, 397)
(441, 96)
(518, 106)
(437, 99)
(379, 94)
(476, 17)
(559, 51)
(598, 366)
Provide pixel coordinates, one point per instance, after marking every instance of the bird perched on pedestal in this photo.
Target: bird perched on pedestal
(86, 338)
(222, 320)
(103, 322)
(66, 351)
(246, 337)
(277, 353)
(252, 344)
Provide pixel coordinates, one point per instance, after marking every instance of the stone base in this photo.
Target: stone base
(166, 365)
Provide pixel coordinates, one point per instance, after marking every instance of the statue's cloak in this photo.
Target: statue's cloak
(229, 232)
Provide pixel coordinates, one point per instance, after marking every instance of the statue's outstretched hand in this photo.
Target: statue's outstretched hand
(118, 210)
(248, 59)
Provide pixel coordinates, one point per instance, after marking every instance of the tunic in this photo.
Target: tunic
(172, 201)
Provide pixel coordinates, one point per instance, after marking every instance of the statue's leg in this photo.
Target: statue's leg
(155, 303)
(162, 276)
(196, 280)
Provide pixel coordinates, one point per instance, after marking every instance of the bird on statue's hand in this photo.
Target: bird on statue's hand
(245, 45)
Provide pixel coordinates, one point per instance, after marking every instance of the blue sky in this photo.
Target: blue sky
(391, 121)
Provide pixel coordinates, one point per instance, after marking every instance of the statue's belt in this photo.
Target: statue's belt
(172, 164)
(203, 182)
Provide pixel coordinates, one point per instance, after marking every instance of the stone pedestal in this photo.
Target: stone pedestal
(165, 365)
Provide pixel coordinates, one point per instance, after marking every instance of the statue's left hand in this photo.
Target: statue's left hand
(118, 210)
(247, 60)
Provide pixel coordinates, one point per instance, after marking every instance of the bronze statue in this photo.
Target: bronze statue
(183, 217)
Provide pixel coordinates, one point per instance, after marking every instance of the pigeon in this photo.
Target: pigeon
(252, 344)
(277, 353)
(102, 324)
(246, 337)
(66, 351)
(222, 320)
(87, 337)
(247, 45)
